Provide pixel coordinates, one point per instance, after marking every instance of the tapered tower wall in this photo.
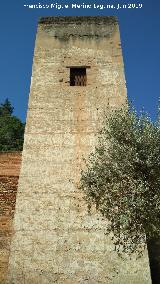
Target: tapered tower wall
(55, 239)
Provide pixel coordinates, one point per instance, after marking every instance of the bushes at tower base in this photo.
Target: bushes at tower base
(11, 129)
(122, 178)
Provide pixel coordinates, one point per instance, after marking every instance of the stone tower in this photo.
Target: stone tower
(77, 75)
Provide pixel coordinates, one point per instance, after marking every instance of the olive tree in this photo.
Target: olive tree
(122, 178)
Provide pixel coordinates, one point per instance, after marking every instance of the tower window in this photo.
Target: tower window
(78, 76)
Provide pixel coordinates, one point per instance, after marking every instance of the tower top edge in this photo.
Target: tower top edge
(112, 20)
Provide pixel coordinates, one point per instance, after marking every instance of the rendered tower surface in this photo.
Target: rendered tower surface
(77, 75)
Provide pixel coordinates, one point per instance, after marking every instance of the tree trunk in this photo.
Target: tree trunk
(153, 246)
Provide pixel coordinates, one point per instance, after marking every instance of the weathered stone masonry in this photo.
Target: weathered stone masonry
(9, 174)
(55, 239)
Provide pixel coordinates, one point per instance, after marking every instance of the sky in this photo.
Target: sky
(140, 38)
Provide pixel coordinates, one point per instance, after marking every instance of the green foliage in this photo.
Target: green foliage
(6, 108)
(11, 129)
(122, 177)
